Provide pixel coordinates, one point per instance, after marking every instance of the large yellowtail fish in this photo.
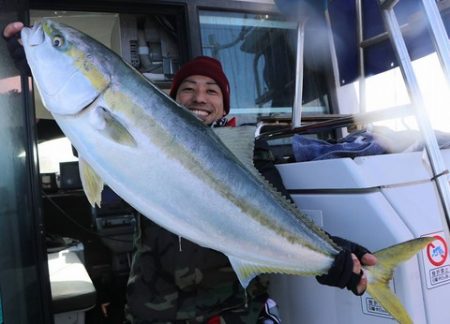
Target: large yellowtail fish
(178, 172)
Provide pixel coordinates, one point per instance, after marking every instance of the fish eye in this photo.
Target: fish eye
(57, 41)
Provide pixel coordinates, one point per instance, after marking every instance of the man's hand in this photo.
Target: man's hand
(367, 260)
(11, 34)
(346, 270)
(12, 29)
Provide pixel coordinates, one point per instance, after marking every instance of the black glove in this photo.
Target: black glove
(353, 247)
(341, 272)
(17, 53)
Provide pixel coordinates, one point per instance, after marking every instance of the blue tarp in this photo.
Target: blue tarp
(361, 143)
(357, 144)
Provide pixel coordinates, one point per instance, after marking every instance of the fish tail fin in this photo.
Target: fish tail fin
(382, 273)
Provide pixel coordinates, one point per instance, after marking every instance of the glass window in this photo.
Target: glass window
(258, 55)
(388, 89)
(21, 264)
(53, 152)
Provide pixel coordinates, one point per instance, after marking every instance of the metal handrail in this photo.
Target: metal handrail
(439, 34)
(299, 73)
(330, 122)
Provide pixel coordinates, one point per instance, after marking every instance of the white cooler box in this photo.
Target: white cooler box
(73, 292)
(376, 201)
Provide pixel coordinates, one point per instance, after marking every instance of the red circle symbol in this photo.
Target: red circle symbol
(437, 251)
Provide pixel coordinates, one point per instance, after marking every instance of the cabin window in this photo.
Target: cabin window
(388, 89)
(21, 267)
(258, 53)
(53, 152)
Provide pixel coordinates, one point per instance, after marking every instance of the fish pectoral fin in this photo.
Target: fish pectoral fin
(382, 272)
(92, 183)
(110, 126)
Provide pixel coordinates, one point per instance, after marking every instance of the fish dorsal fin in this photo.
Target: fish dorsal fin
(92, 183)
(240, 141)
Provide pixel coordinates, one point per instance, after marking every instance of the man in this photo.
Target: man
(173, 280)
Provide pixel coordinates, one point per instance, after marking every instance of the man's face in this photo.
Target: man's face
(201, 95)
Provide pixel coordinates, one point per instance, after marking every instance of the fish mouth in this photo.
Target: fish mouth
(33, 36)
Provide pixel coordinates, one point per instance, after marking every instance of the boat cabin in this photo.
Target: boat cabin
(352, 97)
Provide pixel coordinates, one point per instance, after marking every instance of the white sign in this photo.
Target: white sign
(371, 307)
(437, 261)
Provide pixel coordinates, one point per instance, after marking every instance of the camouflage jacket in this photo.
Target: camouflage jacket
(173, 280)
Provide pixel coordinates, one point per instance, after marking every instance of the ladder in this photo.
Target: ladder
(442, 46)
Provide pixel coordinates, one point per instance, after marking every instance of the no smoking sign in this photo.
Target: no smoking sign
(436, 261)
(437, 251)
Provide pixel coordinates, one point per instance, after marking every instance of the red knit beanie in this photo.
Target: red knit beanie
(206, 66)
